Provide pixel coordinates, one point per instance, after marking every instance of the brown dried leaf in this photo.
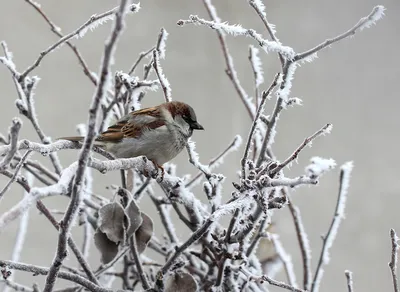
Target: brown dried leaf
(132, 219)
(107, 248)
(111, 219)
(144, 233)
(180, 282)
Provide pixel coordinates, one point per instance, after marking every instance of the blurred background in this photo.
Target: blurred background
(351, 85)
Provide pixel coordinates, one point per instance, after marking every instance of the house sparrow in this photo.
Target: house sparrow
(160, 133)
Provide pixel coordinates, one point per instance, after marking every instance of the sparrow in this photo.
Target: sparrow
(160, 133)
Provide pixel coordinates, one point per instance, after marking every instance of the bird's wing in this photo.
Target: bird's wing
(133, 125)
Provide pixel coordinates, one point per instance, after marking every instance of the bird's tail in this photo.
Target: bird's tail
(72, 139)
(80, 139)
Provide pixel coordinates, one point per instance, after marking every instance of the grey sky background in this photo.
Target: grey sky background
(353, 85)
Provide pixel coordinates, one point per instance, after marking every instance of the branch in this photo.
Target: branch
(260, 109)
(78, 32)
(260, 9)
(139, 267)
(308, 141)
(13, 133)
(365, 22)
(267, 46)
(303, 241)
(62, 275)
(57, 31)
(345, 172)
(163, 80)
(265, 278)
(230, 67)
(349, 278)
(101, 90)
(393, 260)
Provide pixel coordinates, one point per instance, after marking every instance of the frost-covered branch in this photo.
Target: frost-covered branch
(13, 134)
(57, 31)
(267, 46)
(62, 275)
(265, 278)
(365, 22)
(308, 141)
(76, 192)
(230, 67)
(259, 7)
(393, 260)
(349, 279)
(260, 110)
(163, 80)
(303, 241)
(91, 23)
(344, 181)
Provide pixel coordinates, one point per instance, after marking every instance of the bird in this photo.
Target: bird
(160, 133)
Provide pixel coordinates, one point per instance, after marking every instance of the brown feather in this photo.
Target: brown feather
(125, 128)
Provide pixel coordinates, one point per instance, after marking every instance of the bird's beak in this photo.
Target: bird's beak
(196, 126)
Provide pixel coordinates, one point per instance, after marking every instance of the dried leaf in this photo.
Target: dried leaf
(144, 233)
(180, 282)
(132, 219)
(111, 218)
(107, 248)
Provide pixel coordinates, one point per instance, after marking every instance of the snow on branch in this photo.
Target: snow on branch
(344, 181)
(267, 46)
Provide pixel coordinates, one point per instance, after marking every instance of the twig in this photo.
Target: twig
(140, 58)
(19, 241)
(260, 11)
(302, 239)
(216, 160)
(349, 279)
(256, 66)
(78, 31)
(266, 45)
(285, 258)
(179, 250)
(279, 105)
(15, 286)
(326, 129)
(101, 89)
(16, 172)
(260, 109)
(56, 30)
(393, 260)
(62, 275)
(139, 267)
(345, 172)
(267, 279)
(13, 132)
(364, 22)
(230, 67)
(163, 80)
(71, 243)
